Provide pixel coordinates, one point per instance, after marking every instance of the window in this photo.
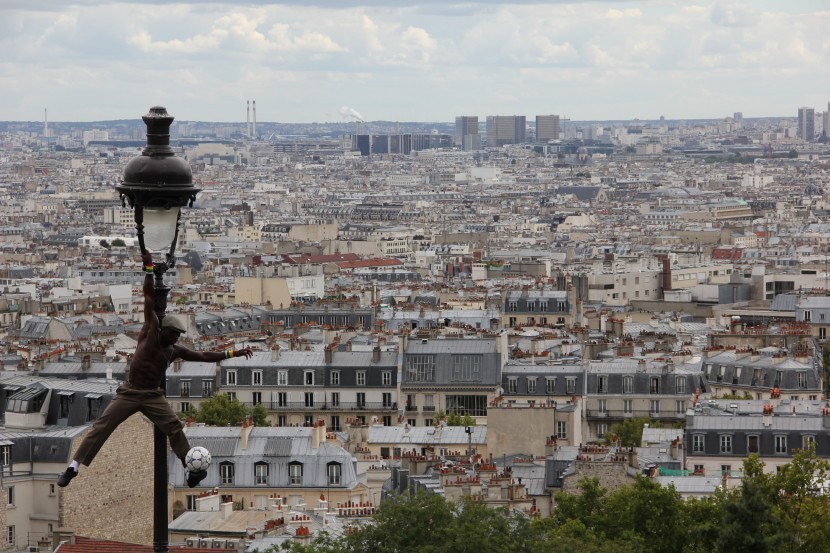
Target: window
(654, 407)
(93, 407)
(466, 368)
(752, 444)
(334, 471)
(602, 430)
(335, 399)
(780, 444)
(184, 388)
(412, 422)
(231, 396)
(726, 443)
(512, 385)
(808, 316)
(628, 406)
(725, 469)
(570, 385)
(386, 378)
(335, 378)
(420, 368)
(361, 399)
(550, 385)
(361, 378)
(387, 420)
(698, 443)
(335, 423)
(531, 385)
(184, 407)
(207, 388)
(602, 405)
(802, 379)
(680, 406)
(808, 441)
(387, 400)
(654, 385)
(428, 422)
(65, 402)
(309, 399)
(822, 333)
(698, 469)
(261, 473)
(256, 378)
(429, 404)
(10, 496)
(231, 378)
(295, 474)
(282, 420)
(282, 378)
(308, 378)
(561, 430)
(10, 538)
(226, 471)
(602, 384)
(680, 385)
(191, 502)
(628, 384)
(6, 455)
(473, 405)
(256, 398)
(282, 399)
(51, 489)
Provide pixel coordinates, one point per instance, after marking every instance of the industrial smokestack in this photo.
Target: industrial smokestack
(248, 120)
(253, 123)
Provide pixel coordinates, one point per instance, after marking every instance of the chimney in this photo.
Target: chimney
(376, 354)
(86, 362)
(327, 353)
(247, 426)
(275, 353)
(227, 510)
(318, 434)
(177, 365)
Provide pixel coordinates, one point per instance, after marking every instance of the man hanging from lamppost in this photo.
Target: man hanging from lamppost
(155, 350)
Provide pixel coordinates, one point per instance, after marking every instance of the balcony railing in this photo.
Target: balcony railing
(622, 414)
(320, 406)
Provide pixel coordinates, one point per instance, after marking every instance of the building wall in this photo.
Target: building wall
(526, 430)
(611, 475)
(112, 499)
(257, 291)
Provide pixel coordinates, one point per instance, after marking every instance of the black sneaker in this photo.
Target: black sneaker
(193, 478)
(67, 476)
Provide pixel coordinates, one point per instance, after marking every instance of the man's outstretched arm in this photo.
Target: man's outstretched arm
(211, 356)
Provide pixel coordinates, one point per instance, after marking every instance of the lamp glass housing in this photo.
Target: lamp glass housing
(160, 228)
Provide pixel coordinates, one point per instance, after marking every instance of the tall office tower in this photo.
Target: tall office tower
(547, 128)
(738, 116)
(466, 132)
(505, 129)
(807, 124)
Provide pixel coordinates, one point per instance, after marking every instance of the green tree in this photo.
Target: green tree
(221, 410)
(260, 415)
(630, 431)
(118, 243)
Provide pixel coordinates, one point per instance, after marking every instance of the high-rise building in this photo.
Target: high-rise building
(466, 132)
(547, 128)
(505, 129)
(807, 124)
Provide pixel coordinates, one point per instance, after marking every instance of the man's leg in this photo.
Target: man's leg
(158, 410)
(122, 406)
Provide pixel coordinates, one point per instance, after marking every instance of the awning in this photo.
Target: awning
(66, 393)
(93, 396)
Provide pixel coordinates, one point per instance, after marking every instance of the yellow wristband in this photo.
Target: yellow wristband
(229, 353)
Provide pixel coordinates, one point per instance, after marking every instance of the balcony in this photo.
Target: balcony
(342, 406)
(621, 414)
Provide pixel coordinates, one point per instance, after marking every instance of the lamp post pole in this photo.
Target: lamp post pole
(157, 184)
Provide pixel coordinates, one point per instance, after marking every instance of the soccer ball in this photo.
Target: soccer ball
(198, 458)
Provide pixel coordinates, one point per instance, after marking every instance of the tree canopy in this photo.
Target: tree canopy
(221, 410)
(786, 511)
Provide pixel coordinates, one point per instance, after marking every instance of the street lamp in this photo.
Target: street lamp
(157, 184)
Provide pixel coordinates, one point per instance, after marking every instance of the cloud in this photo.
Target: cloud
(734, 14)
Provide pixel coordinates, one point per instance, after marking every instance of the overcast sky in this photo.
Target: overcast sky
(305, 60)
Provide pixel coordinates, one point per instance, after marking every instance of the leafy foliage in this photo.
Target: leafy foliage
(786, 511)
(221, 410)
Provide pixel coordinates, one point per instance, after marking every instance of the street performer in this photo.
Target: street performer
(155, 350)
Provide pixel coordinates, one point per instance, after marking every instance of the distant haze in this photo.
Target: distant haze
(309, 60)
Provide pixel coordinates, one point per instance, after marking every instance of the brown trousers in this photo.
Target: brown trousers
(127, 402)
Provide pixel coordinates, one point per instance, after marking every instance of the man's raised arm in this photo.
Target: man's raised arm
(149, 292)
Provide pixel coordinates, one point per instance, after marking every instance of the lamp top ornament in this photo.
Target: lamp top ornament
(157, 178)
